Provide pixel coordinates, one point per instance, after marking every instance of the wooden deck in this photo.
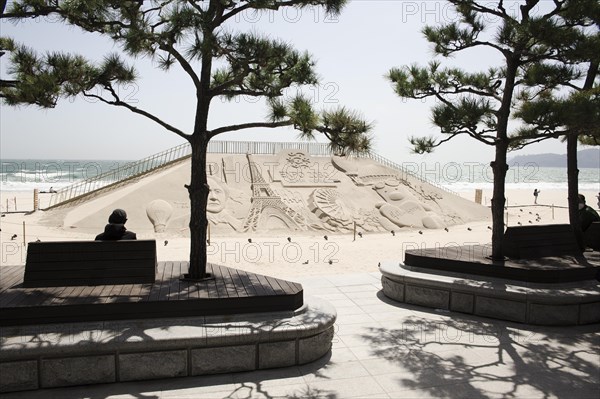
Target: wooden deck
(475, 260)
(231, 292)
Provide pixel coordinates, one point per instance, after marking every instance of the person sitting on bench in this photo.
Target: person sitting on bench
(115, 229)
(587, 214)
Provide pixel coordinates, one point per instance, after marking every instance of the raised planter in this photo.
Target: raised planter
(58, 355)
(550, 304)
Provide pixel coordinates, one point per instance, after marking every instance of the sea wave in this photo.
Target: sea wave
(26, 175)
(30, 186)
(43, 185)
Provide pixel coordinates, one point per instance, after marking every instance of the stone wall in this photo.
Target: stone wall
(59, 355)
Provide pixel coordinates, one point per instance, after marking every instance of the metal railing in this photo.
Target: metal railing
(120, 174)
(267, 148)
(153, 162)
(393, 165)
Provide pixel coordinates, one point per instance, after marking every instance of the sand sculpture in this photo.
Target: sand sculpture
(268, 209)
(290, 191)
(217, 210)
(403, 209)
(159, 212)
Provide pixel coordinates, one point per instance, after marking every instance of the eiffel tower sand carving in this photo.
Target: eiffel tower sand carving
(267, 204)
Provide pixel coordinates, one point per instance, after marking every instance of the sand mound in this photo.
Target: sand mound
(291, 191)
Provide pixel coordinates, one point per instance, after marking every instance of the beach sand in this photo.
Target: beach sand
(307, 254)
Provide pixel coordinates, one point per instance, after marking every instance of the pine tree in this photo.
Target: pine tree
(479, 105)
(190, 35)
(570, 109)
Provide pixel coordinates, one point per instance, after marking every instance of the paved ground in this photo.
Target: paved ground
(387, 350)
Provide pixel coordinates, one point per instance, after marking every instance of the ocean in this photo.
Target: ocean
(46, 174)
(467, 176)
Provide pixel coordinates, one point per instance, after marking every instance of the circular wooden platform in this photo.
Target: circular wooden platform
(232, 291)
(475, 260)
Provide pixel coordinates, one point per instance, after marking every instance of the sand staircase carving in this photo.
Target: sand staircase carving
(266, 201)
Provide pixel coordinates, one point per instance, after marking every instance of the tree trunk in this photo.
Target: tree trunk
(198, 190)
(499, 167)
(572, 170)
(573, 188)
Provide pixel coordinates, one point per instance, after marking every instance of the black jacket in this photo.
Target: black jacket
(113, 232)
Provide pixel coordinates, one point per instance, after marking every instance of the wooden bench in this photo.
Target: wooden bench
(591, 237)
(530, 242)
(73, 263)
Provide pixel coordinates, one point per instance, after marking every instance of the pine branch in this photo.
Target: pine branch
(276, 5)
(250, 125)
(518, 145)
(246, 92)
(233, 13)
(483, 9)
(187, 67)
(119, 103)
(220, 88)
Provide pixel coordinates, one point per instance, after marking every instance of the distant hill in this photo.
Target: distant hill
(589, 158)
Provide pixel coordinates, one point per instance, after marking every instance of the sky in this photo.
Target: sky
(353, 52)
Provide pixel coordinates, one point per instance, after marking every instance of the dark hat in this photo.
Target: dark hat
(118, 216)
(581, 198)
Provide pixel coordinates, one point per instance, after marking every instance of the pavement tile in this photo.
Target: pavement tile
(451, 390)
(378, 366)
(230, 394)
(376, 396)
(358, 288)
(315, 282)
(316, 291)
(359, 340)
(349, 387)
(425, 379)
(355, 319)
(353, 329)
(352, 279)
(376, 309)
(349, 310)
(585, 393)
(370, 352)
(387, 314)
(498, 389)
(386, 350)
(341, 303)
(199, 384)
(261, 391)
(499, 370)
(561, 380)
(371, 301)
(465, 356)
(334, 371)
(355, 295)
(282, 376)
(128, 390)
(332, 297)
(343, 354)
